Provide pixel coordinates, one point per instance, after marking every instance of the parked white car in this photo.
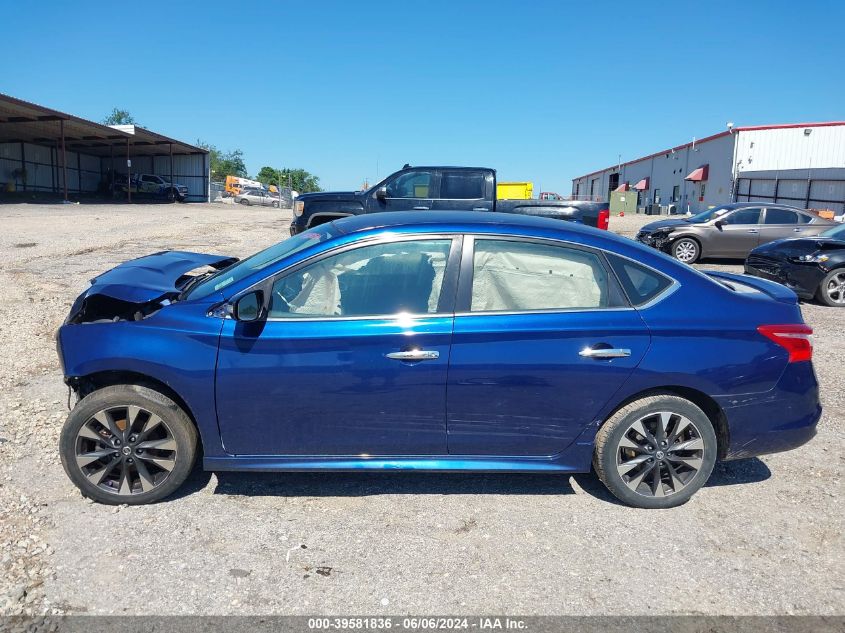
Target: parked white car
(258, 197)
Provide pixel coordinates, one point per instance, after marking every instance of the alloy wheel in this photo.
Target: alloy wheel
(125, 450)
(660, 454)
(686, 251)
(835, 288)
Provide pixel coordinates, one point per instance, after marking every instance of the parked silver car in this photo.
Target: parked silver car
(730, 230)
(258, 197)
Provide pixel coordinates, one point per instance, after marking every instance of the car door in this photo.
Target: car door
(779, 224)
(465, 189)
(735, 234)
(352, 358)
(543, 338)
(410, 191)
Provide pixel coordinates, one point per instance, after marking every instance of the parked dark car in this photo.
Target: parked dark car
(729, 230)
(437, 188)
(814, 267)
(433, 341)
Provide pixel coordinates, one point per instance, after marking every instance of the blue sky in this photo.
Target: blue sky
(542, 91)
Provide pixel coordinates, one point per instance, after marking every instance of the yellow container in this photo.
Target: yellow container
(514, 190)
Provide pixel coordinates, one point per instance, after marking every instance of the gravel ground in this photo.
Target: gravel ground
(764, 537)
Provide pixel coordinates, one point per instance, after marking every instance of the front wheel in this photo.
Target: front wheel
(275, 205)
(655, 452)
(127, 444)
(245, 202)
(831, 290)
(686, 250)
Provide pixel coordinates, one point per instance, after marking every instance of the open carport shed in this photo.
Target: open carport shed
(44, 150)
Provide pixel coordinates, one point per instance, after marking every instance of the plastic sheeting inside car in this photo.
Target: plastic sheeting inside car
(512, 276)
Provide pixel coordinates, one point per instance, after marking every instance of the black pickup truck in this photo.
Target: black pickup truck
(437, 188)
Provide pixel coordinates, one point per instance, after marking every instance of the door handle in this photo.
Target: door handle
(607, 352)
(797, 230)
(753, 231)
(421, 208)
(414, 354)
(480, 209)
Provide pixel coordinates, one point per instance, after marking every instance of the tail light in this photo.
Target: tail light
(604, 219)
(794, 338)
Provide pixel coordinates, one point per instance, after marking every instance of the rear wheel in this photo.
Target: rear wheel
(686, 250)
(127, 444)
(275, 205)
(244, 201)
(655, 452)
(831, 290)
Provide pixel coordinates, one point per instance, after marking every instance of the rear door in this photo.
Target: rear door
(779, 224)
(543, 338)
(739, 233)
(464, 189)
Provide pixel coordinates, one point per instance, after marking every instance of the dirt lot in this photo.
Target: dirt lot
(764, 537)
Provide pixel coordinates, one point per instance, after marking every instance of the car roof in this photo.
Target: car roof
(464, 222)
(758, 203)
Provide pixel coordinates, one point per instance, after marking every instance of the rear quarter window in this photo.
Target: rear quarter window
(641, 284)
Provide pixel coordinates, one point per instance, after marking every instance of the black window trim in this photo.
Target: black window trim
(463, 302)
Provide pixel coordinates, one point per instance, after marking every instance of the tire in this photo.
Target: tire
(275, 205)
(169, 447)
(245, 202)
(686, 250)
(618, 444)
(831, 291)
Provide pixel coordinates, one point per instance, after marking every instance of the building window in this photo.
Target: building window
(657, 196)
(701, 196)
(676, 193)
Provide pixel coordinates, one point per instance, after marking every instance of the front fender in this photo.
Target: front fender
(176, 346)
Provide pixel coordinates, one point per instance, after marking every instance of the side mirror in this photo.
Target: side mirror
(381, 193)
(249, 307)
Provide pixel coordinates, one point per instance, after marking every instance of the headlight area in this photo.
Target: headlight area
(299, 208)
(813, 258)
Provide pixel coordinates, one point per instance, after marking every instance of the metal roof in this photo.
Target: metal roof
(747, 128)
(25, 122)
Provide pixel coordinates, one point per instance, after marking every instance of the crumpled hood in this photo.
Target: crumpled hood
(664, 224)
(152, 276)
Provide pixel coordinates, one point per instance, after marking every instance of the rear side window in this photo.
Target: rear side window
(781, 216)
(641, 284)
(517, 276)
(462, 185)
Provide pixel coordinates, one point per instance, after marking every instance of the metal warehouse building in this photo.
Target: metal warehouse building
(47, 151)
(801, 164)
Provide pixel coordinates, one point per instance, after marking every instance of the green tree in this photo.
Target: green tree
(222, 164)
(119, 117)
(299, 179)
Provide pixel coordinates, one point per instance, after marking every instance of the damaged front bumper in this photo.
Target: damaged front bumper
(658, 240)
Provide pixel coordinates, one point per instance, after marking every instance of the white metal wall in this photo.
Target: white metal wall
(790, 148)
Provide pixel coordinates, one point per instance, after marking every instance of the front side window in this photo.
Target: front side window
(415, 184)
(743, 216)
(462, 185)
(376, 280)
(514, 276)
(781, 216)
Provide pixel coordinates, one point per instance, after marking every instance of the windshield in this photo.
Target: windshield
(708, 215)
(242, 269)
(837, 232)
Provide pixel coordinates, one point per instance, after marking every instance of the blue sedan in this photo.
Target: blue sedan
(439, 341)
